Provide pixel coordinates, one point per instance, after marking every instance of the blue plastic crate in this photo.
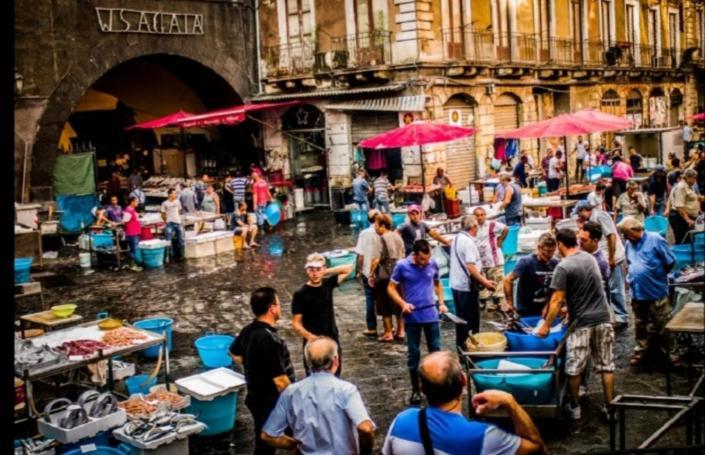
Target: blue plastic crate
(23, 267)
(527, 388)
(518, 342)
(102, 240)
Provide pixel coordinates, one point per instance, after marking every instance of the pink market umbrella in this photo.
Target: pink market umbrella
(418, 133)
(698, 117)
(160, 122)
(231, 115)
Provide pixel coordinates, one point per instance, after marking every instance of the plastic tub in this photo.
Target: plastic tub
(509, 264)
(686, 253)
(349, 258)
(518, 342)
(658, 224)
(139, 384)
(489, 342)
(23, 266)
(162, 326)
(398, 218)
(102, 240)
(101, 439)
(511, 242)
(151, 258)
(219, 414)
(526, 388)
(214, 350)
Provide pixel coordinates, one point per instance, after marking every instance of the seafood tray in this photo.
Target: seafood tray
(212, 384)
(165, 423)
(29, 356)
(52, 424)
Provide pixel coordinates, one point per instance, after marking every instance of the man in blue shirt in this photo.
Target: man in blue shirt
(360, 189)
(443, 381)
(411, 286)
(326, 414)
(649, 259)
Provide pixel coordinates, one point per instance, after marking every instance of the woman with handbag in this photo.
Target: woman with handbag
(380, 271)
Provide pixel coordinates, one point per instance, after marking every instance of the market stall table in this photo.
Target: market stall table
(542, 202)
(689, 320)
(47, 321)
(90, 331)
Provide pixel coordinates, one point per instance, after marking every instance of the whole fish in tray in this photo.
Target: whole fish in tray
(28, 356)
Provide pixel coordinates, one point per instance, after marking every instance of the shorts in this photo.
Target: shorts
(594, 342)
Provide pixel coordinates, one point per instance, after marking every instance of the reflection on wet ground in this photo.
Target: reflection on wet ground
(211, 295)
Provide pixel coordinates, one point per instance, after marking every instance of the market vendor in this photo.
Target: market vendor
(632, 203)
(211, 201)
(534, 274)
(174, 232)
(685, 205)
(101, 220)
(511, 202)
(114, 211)
(416, 229)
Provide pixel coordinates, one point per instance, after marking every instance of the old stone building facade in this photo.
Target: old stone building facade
(157, 56)
(367, 65)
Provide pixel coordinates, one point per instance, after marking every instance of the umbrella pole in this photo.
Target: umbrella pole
(423, 172)
(567, 176)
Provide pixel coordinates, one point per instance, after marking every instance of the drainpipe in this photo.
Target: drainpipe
(257, 38)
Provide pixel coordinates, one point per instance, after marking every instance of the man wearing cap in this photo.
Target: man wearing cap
(412, 286)
(612, 247)
(369, 246)
(416, 229)
(312, 305)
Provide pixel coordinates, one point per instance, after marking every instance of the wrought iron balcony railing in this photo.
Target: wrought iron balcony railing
(292, 59)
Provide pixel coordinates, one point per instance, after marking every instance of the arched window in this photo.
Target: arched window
(611, 103)
(675, 107)
(658, 116)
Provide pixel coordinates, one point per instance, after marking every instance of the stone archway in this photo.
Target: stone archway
(205, 68)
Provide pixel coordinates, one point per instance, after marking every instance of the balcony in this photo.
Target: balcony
(289, 60)
(466, 45)
(359, 51)
(642, 56)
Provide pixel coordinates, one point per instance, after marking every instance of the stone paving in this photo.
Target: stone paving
(211, 295)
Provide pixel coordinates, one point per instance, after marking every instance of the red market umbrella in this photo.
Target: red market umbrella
(160, 122)
(229, 116)
(417, 133)
(698, 117)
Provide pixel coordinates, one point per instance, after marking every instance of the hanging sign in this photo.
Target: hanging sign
(455, 117)
(123, 20)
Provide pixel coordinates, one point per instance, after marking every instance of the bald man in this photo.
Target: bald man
(321, 410)
(442, 381)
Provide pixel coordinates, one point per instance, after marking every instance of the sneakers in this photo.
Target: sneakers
(573, 412)
(415, 399)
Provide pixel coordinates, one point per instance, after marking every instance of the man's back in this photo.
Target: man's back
(579, 276)
(323, 413)
(450, 433)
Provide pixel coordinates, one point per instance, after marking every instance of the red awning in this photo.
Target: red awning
(160, 122)
(229, 116)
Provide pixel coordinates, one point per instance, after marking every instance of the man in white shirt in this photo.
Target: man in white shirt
(489, 238)
(465, 275)
(368, 247)
(581, 148)
(174, 231)
(687, 140)
(555, 171)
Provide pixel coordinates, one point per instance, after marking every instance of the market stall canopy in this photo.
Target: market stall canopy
(416, 134)
(160, 122)
(229, 116)
(582, 122)
(700, 116)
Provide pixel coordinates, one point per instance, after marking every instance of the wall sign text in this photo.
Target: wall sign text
(123, 20)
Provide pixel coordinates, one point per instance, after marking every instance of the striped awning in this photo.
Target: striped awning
(331, 92)
(410, 103)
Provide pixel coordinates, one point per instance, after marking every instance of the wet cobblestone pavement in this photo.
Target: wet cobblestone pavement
(211, 295)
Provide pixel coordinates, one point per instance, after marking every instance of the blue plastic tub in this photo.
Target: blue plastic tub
(214, 350)
(686, 253)
(219, 414)
(102, 240)
(162, 326)
(510, 246)
(398, 218)
(605, 170)
(658, 224)
(509, 264)
(101, 439)
(526, 388)
(99, 450)
(23, 266)
(139, 384)
(518, 342)
(350, 258)
(152, 258)
(594, 174)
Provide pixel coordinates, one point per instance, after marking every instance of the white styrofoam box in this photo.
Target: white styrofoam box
(224, 244)
(299, 197)
(121, 370)
(87, 430)
(567, 223)
(464, 196)
(153, 244)
(195, 250)
(171, 444)
(528, 239)
(538, 223)
(211, 384)
(49, 227)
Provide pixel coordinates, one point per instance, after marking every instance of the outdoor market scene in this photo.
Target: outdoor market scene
(277, 227)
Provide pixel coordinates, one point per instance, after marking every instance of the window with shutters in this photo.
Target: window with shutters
(610, 103)
(298, 13)
(455, 33)
(606, 22)
(576, 28)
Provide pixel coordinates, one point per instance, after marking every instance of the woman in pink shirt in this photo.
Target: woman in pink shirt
(260, 196)
(133, 229)
(621, 173)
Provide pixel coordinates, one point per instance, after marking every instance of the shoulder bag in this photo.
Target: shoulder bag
(425, 433)
(384, 269)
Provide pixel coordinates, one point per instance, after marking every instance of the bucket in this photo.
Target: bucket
(152, 258)
(101, 240)
(22, 270)
(489, 342)
(511, 242)
(350, 258)
(84, 259)
(139, 384)
(526, 388)
(542, 188)
(398, 218)
(219, 414)
(658, 224)
(162, 326)
(102, 439)
(95, 450)
(527, 342)
(214, 350)
(238, 242)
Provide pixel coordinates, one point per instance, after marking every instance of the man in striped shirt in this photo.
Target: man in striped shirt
(238, 187)
(382, 187)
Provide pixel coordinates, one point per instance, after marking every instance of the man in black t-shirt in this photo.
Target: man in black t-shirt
(312, 305)
(265, 358)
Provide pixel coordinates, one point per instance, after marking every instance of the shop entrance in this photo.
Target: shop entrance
(364, 124)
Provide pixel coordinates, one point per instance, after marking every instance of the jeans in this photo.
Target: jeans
(659, 206)
(382, 205)
(363, 206)
(467, 305)
(579, 170)
(175, 234)
(133, 242)
(370, 316)
(259, 211)
(618, 293)
(432, 330)
(512, 220)
(679, 225)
